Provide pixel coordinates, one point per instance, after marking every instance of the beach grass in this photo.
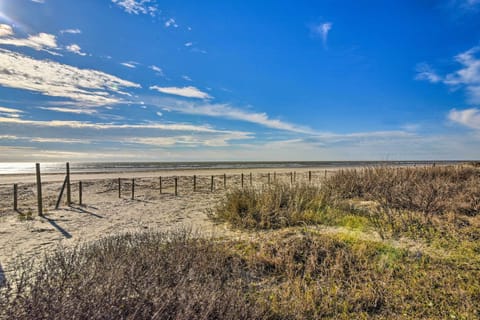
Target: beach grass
(378, 243)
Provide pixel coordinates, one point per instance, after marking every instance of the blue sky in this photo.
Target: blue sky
(152, 80)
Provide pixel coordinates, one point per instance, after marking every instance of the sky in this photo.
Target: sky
(153, 80)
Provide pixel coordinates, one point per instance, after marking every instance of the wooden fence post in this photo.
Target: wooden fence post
(194, 183)
(242, 180)
(294, 176)
(160, 184)
(325, 173)
(251, 180)
(80, 191)
(211, 185)
(309, 176)
(39, 190)
(291, 177)
(119, 188)
(176, 183)
(133, 189)
(269, 178)
(274, 177)
(224, 181)
(15, 197)
(69, 190)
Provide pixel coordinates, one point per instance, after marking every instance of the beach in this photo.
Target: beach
(103, 213)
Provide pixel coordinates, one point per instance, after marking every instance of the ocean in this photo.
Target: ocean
(105, 167)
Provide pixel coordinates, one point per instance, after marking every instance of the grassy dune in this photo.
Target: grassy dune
(376, 244)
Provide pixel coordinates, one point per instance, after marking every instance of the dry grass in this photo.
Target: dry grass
(291, 274)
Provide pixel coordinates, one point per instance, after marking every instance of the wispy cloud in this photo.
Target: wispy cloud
(469, 117)
(157, 69)
(188, 44)
(41, 41)
(10, 112)
(70, 110)
(71, 31)
(171, 23)
(87, 87)
(137, 6)
(187, 78)
(467, 77)
(129, 64)
(229, 112)
(187, 92)
(322, 30)
(38, 1)
(5, 30)
(75, 48)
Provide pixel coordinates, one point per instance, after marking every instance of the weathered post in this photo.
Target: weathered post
(224, 181)
(119, 188)
(80, 191)
(15, 197)
(194, 183)
(242, 180)
(268, 178)
(160, 184)
(133, 189)
(211, 185)
(274, 177)
(325, 173)
(294, 176)
(291, 177)
(251, 180)
(176, 184)
(69, 190)
(309, 176)
(39, 191)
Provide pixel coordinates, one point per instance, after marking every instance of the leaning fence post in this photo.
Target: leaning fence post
(176, 183)
(211, 185)
(119, 188)
(69, 191)
(133, 189)
(80, 191)
(39, 190)
(15, 195)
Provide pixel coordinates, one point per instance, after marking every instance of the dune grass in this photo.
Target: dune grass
(286, 274)
(423, 265)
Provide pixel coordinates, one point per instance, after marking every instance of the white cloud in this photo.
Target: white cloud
(188, 44)
(70, 110)
(84, 86)
(322, 30)
(228, 112)
(41, 41)
(188, 92)
(75, 48)
(469, 117)
(39, 1)
(137, 6)
(5, 30)
(71, 31)
(187, 78)
(158, 70)
(171, 23)
(108, 126)
(467, 77)
(425, 72)
(129, 64)
(9, 112)
(159, 114)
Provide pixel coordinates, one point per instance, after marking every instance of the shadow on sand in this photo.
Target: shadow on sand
(54, 224)
(80, 209)
(3, 278)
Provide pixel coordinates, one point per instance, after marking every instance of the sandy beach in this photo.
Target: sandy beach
(103, 213)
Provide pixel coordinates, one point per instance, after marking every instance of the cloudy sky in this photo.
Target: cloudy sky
(153, 80)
